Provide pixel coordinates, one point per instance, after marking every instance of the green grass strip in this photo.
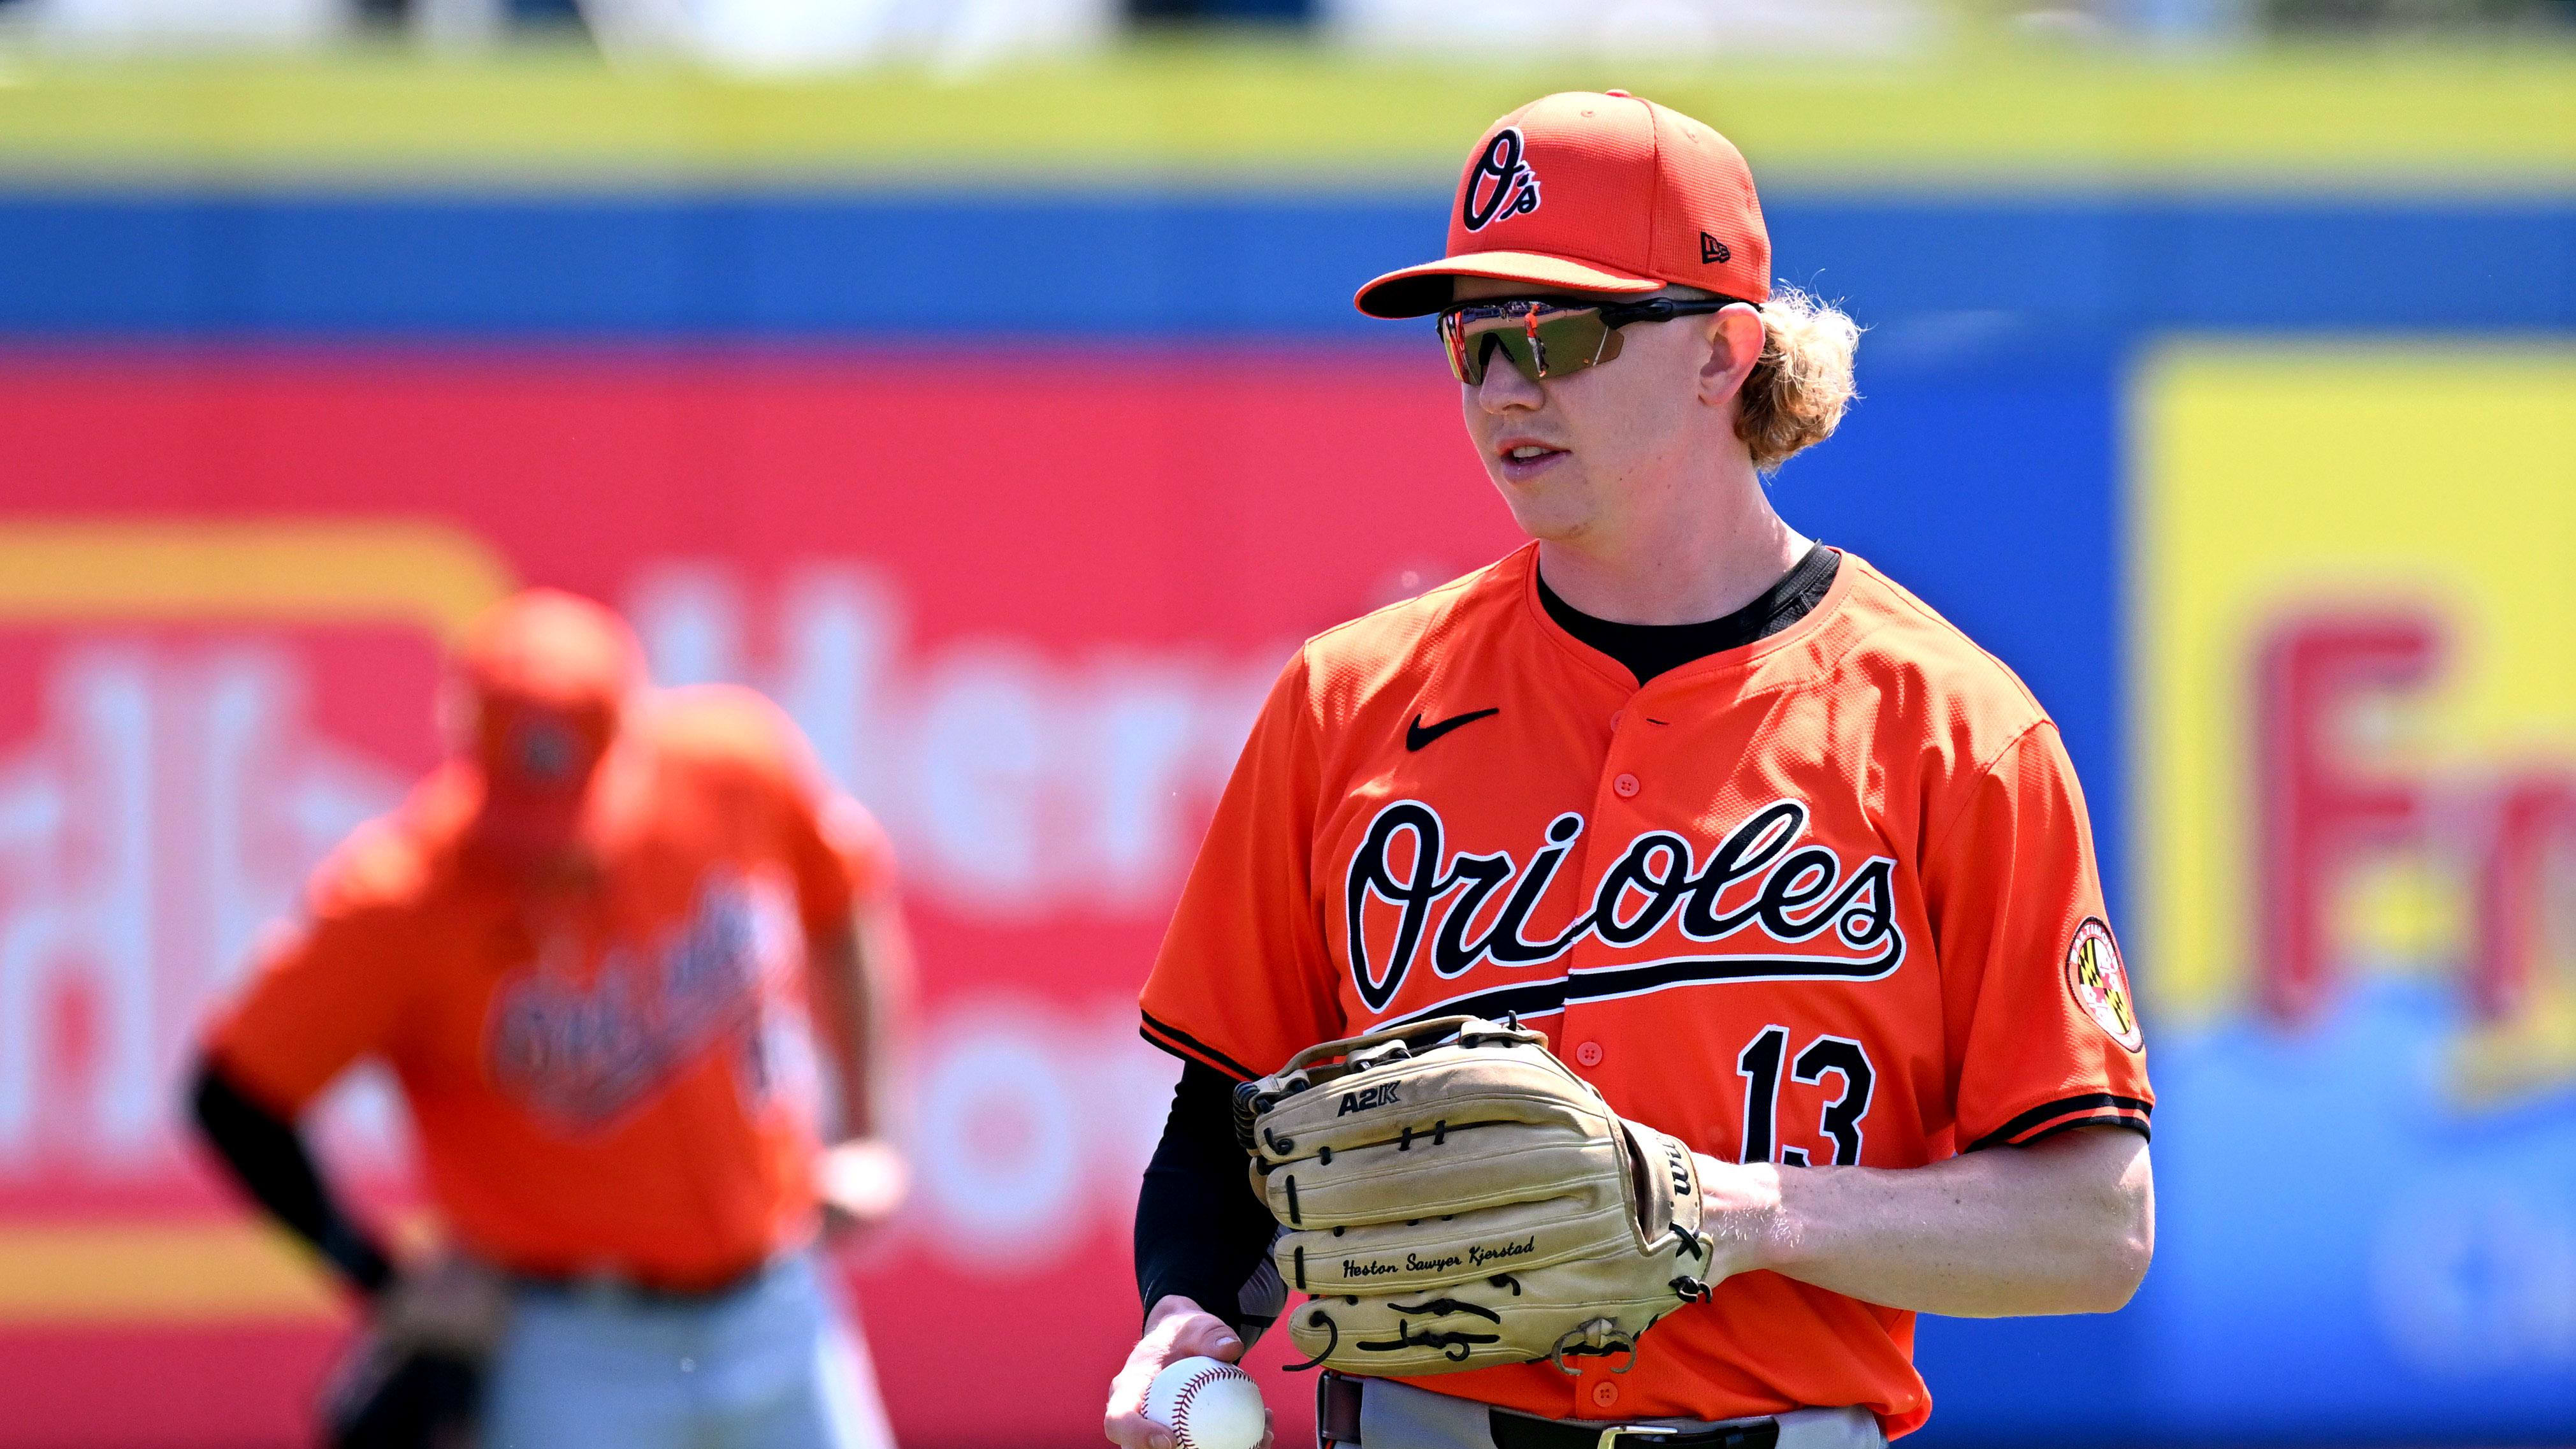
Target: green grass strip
(1248, 112)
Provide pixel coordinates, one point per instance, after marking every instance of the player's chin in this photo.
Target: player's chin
(1543, 510)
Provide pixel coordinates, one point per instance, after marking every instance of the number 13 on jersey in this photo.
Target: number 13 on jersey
(1840, 1122)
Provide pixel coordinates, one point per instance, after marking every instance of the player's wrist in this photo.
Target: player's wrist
(1742, 1212)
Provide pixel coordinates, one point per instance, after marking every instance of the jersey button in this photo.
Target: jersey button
(1617, 715)
(1626, 785)
(1589, 1054)
(1605, 1393)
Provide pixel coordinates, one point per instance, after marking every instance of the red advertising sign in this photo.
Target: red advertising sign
(1023, 604)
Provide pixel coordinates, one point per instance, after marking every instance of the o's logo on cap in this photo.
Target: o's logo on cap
(2100, 984)
(1501, 185)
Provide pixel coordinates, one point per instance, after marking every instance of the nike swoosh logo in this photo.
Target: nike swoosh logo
(1416, 736)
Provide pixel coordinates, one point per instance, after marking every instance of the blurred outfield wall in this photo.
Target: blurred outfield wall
(1012, 429)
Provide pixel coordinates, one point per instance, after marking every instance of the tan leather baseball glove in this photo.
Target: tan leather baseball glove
(1455, 1198)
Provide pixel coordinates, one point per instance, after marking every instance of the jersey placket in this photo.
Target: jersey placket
(1618, 812)
(1624, 800)
(1629, 798)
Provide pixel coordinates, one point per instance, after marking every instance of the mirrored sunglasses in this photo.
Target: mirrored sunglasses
(1547, 339)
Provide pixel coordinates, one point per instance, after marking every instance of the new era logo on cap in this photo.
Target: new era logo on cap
(1712, 251)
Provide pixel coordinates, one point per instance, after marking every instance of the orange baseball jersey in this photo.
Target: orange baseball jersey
(611, 1073)
(1826, 898)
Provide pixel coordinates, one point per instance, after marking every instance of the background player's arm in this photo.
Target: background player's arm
(270, 1161)
(858, 967)
(325, 993)
(2065, 1225)
(328, 993)
(447, 1304)
(861, 974)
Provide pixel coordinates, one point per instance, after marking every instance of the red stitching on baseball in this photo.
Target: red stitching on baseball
(1182, 1396)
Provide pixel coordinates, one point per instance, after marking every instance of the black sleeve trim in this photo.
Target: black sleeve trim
(2134, 1124)
(2046, 1111)
(1181, 1044)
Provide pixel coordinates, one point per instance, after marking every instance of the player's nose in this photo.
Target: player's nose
(1504, 390)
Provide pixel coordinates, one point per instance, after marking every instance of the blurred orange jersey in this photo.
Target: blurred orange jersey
(606, 1074)
(1826, 898)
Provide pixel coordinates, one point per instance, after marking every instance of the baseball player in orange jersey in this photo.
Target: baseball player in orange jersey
(589, 947)
(1780, 861)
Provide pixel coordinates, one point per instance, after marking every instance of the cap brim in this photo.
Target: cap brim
(1423, 290)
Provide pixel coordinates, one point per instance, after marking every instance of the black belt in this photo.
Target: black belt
(1525, 1431)
(614, 1287)
(1337, 1411)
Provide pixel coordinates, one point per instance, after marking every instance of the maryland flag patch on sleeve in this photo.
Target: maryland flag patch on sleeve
(2100, 983)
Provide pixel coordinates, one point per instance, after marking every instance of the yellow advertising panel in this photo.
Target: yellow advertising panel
(2354, 640)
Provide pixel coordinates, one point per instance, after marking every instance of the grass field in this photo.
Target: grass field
(1254, 112)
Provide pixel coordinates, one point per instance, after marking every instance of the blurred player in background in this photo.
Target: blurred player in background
(590, 947)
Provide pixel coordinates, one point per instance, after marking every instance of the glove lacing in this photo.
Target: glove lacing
(1598, 1338)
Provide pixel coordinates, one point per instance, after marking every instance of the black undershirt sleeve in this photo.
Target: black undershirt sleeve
(267, 1156)
(1201, 1231)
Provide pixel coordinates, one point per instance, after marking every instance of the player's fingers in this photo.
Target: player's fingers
(1125, 1423)
(1204, 1334)
(1178, 1335)
(1135, 1431)
(1269, 1431)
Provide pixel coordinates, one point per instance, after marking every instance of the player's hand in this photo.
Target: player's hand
(862, 1182)
(448, 1304)
(1176, 1329)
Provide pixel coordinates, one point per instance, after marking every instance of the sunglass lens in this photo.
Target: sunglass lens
(1466, 359)
(1540, 345)
(1569, 341)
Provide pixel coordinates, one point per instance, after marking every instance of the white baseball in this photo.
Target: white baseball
(1207, 1404)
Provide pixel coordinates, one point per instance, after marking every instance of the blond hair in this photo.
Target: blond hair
(1801, 385)
(1799, 388)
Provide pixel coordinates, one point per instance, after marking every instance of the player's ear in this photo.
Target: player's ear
(1735, 341)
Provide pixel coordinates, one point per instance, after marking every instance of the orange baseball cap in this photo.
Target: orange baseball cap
(552, 650)
(1595, 192)
(549, 675)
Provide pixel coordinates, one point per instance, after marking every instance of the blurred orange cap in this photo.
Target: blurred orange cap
(548, 674)
(551, 649)
(1595, 192)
